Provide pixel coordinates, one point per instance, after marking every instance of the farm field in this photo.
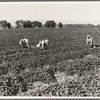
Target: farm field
(67, 68)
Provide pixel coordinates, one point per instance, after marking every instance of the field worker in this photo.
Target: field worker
(90, 41)
(24, 42)
(42, 44)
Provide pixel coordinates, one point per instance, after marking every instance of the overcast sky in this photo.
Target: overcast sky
(67, 12)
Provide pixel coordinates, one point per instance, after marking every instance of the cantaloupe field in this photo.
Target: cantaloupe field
(67, 68)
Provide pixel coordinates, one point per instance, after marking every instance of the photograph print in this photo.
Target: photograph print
(50, 49)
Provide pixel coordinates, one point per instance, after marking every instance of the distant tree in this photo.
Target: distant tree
(9, 25)
(36, 24)
(60, 25)
(3, 23)
(27, 24)
(20, 23)
(49, 24)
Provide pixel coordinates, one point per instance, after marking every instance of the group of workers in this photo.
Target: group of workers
(44, 43)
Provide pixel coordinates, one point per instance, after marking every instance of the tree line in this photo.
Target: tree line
(37, 24)
(29, 24)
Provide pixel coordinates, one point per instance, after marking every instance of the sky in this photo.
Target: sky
(65, 12)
